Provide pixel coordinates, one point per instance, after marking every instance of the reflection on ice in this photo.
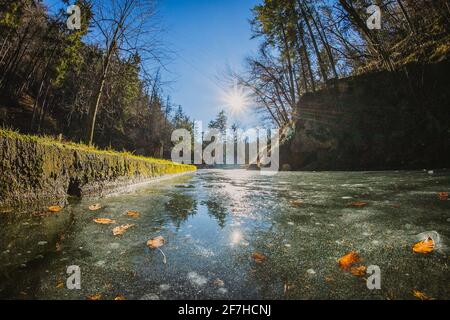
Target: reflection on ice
(216, 220)
(236, 237)
(433, 235)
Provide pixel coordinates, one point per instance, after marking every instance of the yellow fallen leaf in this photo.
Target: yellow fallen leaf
(348, 260)
(358, 271)
(420, 295)
(358, 204)
(297, 202)
(133, 214)
(95, 207)
(443, 196)
(60, 285)
(156, 243)
(258, 257)
(104, 221)
(55, 209)
(118, 231)
(426, 246)
(97, 296)
(119, 297)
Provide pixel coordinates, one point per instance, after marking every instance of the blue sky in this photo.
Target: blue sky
(205, 37)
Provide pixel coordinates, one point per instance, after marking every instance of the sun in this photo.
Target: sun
(237, 99)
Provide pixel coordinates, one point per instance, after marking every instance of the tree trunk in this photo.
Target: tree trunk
(301, 33)
(406, 16)
(290, 69)
(373, 42)
(43, 112)
(320, 30)
(93, 110)
(314, 42)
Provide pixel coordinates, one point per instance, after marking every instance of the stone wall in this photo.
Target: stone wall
(377, 121)
(37, 169)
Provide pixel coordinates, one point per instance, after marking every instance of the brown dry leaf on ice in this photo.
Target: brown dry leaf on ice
(348, 260)
(156, 243)
(258, 257)
(133, 214)
(420, 295)
(358, 271)
(443, 196)
(55, 209)
(358, 204)
(118, 231)
(297, 202)
(93, 297)
(95, 207)
(104, 221)
(426, 246)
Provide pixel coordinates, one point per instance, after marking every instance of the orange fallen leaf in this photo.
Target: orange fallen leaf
(420, 295)
(155, 243)
(95, 207)
(425, 246)
(93, 297)
(358, 271)
(60, 285)
(297, 202)
(119, 297)
(104, 221)
(443, 196)
(55, 209)
(396, 206)
(118, 231)
(258, 257)
(133, 214)
(358, 204)
(348, 260)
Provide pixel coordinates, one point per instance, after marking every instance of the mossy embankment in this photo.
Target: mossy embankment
(38, 169)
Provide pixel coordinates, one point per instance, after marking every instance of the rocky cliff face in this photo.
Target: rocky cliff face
(34, 170)
(375, 121)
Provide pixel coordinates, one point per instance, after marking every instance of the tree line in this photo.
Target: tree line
(100, 84)
(306, 45)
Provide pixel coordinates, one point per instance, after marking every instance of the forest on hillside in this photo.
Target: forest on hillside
(102, 84)
(307, 45)
(53, 79)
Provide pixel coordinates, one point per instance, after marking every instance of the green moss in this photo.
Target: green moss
(50, 141)
(34, 168)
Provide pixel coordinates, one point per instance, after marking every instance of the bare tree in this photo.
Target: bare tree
(123, 27)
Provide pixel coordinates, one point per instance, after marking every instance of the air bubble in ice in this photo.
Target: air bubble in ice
(433, 235)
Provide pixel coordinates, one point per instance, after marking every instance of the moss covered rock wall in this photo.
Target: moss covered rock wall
(36, 169)
(376, 121)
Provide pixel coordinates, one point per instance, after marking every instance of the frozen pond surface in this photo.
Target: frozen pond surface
(213, 221)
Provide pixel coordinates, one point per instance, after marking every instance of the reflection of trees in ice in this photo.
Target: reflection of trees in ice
(180, 208)
(218, 211)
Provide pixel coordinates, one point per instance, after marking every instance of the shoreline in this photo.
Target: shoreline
(38, 170)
